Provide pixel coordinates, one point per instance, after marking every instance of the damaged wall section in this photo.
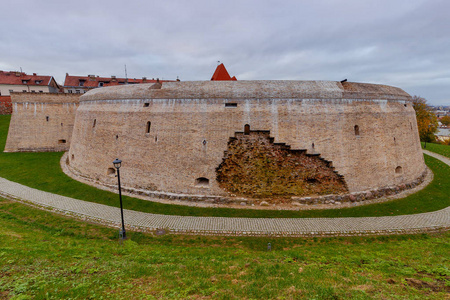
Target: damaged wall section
(255, 166)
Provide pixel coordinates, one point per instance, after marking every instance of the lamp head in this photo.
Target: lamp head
(117, 163)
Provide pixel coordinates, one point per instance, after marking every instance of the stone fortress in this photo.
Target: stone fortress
(220, 140)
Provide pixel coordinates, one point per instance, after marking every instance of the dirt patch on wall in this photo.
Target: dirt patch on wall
(255, 166)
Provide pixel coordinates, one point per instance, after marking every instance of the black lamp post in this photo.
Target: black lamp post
(117, 163)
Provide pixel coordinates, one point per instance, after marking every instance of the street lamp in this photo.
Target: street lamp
(117, 163)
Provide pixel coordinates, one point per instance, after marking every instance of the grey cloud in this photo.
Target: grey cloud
(400, 43)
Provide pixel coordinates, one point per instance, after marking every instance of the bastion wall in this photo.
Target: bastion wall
(41, 122)
(173, 137)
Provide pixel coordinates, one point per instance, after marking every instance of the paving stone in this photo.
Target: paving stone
(438, 220)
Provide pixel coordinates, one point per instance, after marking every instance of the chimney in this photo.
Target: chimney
(144, 79)
(91, 77)
(113, 78)
(34, 74)
(18, 74)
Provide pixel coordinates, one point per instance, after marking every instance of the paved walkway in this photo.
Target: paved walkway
(438, 220)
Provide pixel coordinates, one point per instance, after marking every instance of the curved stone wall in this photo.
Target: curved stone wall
(172, 137)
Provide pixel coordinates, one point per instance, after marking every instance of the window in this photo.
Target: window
(77, 91)
(38, 81)
(47, 118)
(146, 104)
(33, 91)
(398, 170)
(230, 104)
(147, 130)
(247, 129)
(61, 141)
(70, 91)
(202, 182)
(95, 123)
(41, 91)
(24, 81)
(24, 91)
(100, 84)
(11, 91)
(82, 82)
(356, 130)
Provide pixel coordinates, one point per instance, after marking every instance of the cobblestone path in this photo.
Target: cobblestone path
(432, 221)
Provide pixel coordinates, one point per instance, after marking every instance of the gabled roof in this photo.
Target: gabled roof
(221, 73)
(92, 81)
(20, 78)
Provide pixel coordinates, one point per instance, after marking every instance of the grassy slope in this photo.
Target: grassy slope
(438, 148)
(48, 256)
(42, 171)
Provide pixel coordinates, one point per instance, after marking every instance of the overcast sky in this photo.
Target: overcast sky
(399, 43)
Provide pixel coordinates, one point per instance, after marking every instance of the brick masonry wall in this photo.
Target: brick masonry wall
(188, 137)
(5, 105)
(41, 122)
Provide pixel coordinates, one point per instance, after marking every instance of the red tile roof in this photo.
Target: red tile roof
(20, 78)
(92, 81)
(221, 73)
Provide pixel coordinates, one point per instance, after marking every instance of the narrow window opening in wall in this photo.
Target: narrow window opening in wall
(394, 140)
(95, 123)
(356, 130)
(410, 125)
(73, 156)
(147, 129)
(202, 182)
(405, 105)
(398, 170)
(117, 137)
(146, 104)
(247, 129)
(204, 142)
(47, 118)
(62, 124)
(111, 171)
(312, 145)
(156, 139)
(61, 141)
(230, 104)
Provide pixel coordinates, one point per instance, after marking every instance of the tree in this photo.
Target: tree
(426, 119)
(445, 120)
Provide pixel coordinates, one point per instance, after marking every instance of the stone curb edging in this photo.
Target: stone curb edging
(308, 202)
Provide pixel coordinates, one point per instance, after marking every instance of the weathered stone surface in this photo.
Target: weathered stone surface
(191, 126)
(41, 122)
(254, 166)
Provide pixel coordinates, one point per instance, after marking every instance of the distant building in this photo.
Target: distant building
(13, 81)
(221, 73)
(82, 84)
(19, 82)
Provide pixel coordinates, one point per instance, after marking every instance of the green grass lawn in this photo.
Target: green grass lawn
(438, 148)
(47, 256)
(42, 171)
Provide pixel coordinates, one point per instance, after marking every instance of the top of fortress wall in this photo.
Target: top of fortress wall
(51, 98)
(255, 89)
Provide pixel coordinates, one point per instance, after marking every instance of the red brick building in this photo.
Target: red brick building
(82, 84)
